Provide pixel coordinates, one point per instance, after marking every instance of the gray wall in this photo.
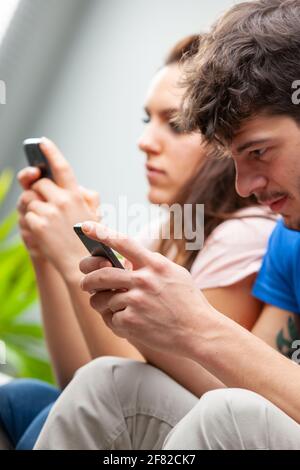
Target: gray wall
(89, 64)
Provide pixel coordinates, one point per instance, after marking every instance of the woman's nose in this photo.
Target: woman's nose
(150, 142)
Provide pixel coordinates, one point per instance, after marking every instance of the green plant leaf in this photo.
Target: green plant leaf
(26, 352)
(17, 283)
(6, 178)
(21, 364)
(29, 330)
(8, 224)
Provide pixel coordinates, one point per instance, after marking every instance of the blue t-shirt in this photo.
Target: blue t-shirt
(278, 282)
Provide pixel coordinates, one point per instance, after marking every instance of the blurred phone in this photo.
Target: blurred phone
(35, 157)
(97, 248)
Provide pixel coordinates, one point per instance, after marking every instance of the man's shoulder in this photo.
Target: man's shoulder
(284, 239)
(278, 280)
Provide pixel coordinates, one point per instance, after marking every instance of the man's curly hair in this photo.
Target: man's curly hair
(246, 65)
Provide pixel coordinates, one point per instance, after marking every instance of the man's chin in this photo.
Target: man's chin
(292, 224)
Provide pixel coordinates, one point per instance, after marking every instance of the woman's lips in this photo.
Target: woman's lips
(154, 174)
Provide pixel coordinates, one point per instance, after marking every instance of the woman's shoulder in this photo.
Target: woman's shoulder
(253, 224)
(234, 250)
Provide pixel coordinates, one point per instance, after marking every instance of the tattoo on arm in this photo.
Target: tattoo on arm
(284, 341)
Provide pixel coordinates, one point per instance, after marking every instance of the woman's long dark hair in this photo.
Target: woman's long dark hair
(213, 185)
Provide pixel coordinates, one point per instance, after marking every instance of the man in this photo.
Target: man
(240, 96)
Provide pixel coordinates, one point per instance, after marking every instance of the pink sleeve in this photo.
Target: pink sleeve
(232, 252)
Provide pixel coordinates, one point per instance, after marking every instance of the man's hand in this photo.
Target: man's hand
(156, 303)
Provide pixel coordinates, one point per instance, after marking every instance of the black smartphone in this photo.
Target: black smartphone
(36, 157)
(97, 248)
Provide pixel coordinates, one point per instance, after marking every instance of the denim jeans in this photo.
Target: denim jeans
(24, 407)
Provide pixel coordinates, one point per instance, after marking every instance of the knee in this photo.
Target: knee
(23, 388)
(92, 388)
(223, 419)
(101, 366)
(222, 405)
(230, 415)
(124, 379)
(21, 384)
(99, 374)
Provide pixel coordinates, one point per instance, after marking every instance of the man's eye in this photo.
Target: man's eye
(257, 153)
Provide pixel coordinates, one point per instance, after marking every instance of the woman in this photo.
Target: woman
(178, 171)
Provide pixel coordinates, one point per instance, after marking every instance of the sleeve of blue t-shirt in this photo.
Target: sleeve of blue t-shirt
(275, 283)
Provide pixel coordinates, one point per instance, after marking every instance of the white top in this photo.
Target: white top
(232, 252)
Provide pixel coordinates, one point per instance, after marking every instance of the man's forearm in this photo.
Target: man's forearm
(190, 374)
(66, 344)
(241, 360)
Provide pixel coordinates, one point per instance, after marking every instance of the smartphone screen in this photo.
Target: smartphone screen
(97, 248)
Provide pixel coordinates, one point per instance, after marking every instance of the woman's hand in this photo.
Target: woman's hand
(29, 238)
(49, 210)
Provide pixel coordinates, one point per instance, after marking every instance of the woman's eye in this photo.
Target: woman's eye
(146, 119)
(175, 128)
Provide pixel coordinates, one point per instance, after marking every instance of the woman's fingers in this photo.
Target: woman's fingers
(62, 172)
(27, 176)
(40, 208)
(25, 198)
(91, 197)
(49, 191)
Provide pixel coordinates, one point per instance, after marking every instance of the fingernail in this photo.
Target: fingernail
(44, 141)
(87, 226)
(32, 170)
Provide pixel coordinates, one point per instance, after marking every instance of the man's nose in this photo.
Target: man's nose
(247, 183)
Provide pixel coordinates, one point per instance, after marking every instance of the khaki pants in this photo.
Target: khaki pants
(115, 403)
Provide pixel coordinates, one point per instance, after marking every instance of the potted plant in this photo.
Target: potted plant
(22, 344)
